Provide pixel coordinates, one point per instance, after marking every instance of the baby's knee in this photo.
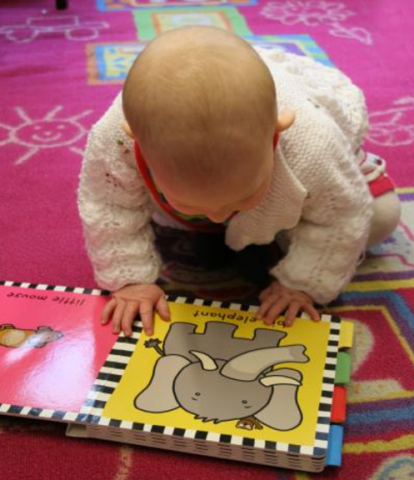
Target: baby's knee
(387, 214)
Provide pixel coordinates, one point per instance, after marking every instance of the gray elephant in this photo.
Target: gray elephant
(218, 377)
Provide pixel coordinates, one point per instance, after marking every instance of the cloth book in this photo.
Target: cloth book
(215, 380)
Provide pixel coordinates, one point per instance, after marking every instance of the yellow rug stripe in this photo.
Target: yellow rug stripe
(405, 190)
(381, 446)
(379, 285)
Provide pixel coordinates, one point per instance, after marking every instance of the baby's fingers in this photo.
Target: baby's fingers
(292, 312)
(146, 310)
(108, 311)
(163, 309)
(117, 315)
(312, 312)
(272, 308)
(275, 310)
(267, 304)
(128, 318)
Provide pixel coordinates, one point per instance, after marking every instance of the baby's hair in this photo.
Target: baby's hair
(200, 97)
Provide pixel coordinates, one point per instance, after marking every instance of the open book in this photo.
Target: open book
(214, 381)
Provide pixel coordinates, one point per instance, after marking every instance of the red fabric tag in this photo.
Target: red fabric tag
(338, 413)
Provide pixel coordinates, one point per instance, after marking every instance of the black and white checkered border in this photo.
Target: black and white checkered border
(320, 445)
(35, 412)
(113, 369)
(55, 288)
(42, 413)
(109, 377)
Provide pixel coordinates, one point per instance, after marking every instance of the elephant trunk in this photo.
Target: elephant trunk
(248, 366)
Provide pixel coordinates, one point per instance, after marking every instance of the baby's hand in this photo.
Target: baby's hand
(128, 301)
(277, 298)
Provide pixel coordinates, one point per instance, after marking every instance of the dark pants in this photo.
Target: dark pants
(252, 263)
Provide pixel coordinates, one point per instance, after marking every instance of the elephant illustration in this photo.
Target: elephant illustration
(217, 377)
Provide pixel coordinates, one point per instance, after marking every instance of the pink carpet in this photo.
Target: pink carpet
(59, 72)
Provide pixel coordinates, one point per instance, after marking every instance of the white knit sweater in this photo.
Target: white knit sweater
(318, 197)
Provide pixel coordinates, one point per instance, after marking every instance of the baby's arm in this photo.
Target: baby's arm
(321, 260)
(320, 147)
(115, 210)
(327, 244)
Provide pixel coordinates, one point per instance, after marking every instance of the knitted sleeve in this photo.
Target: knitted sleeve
(331, 120)
(115, 208)
(326, 245)
(324, 263)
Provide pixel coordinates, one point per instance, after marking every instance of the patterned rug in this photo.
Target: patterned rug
(60, 71)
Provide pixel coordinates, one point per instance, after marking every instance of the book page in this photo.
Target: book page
(225, 371)
(52, 347)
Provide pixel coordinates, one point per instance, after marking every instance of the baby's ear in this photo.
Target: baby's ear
(284, 121)
(127, 130)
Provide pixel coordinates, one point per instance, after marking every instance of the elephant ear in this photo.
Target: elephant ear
(283, 411)
(159, 397)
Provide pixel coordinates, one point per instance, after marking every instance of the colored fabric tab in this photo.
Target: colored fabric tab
(336, 438)
(346, 337)
(338, 413)
(343, 368)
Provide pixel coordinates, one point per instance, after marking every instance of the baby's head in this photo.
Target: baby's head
(201, 104)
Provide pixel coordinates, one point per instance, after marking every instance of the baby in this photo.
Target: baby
(200, 140)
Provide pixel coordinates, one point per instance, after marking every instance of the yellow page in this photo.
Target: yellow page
(299, 381)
